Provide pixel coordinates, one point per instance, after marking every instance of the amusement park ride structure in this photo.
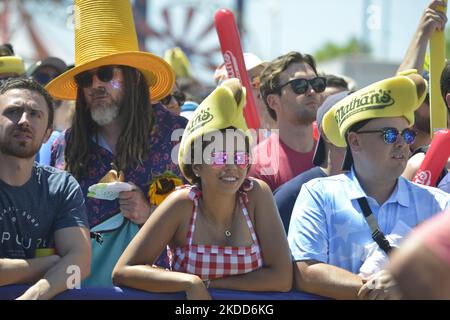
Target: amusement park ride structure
(160, 25)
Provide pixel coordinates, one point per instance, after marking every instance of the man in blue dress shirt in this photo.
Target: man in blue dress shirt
(328, 231)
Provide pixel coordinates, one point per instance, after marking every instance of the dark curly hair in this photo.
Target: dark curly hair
(270, 76)
(30, 84)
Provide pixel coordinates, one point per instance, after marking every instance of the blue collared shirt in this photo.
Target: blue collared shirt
(327, 223)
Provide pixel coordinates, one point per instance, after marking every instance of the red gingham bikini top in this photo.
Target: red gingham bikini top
(214, 261)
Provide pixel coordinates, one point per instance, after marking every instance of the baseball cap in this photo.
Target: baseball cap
(43, 78)
(251, 61)
(330, 101)
(188, 108)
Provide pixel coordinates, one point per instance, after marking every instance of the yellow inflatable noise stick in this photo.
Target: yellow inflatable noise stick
(438, 110)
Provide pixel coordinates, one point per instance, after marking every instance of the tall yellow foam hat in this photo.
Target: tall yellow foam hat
(12, 64)
(105, 35)
(178, 61)
(398, 96)
(219, 110)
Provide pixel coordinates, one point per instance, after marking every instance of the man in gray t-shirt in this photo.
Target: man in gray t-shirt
(30, 214)
(44, 235)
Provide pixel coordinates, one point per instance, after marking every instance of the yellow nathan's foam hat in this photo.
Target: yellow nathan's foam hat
(105, 35)
(12, 64)
(398, 96)
(218, 111)
(178, 61)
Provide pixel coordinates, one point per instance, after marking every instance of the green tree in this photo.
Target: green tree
(331, 50)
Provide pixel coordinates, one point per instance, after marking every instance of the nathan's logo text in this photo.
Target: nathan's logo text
(200, 120)
(231, 65)
(371, 100)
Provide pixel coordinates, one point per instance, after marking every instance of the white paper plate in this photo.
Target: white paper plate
(108, 191)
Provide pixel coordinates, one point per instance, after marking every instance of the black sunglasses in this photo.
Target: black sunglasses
(179, 96)
(104, 74)
(390, 134)
(301, 85)
(43, 77)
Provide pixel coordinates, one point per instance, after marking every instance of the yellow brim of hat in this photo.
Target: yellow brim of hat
(12, 64)
(158, 74)
(393, 97)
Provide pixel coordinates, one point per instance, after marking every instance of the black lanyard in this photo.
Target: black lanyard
(377, 234)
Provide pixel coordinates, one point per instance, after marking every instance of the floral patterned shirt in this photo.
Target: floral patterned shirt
(157, 162)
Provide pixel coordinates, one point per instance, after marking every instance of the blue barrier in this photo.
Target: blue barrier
(115, 293)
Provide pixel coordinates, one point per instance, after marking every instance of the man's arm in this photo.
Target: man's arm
(326, 280)
(134, 205)
(74, 247)
(430, 21)
(422, 265)
(419, 273)
(21, 271)
(309, 242)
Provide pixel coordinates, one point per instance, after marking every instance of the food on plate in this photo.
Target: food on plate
(112, 176)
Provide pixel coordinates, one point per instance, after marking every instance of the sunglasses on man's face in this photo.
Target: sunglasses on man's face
(220, 159)
(301, 85)
(43, 77)
(390, 135)
(179, 97)
(104, 74)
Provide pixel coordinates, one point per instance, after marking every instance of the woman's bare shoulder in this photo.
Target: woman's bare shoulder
(178, 203)
(259, 189)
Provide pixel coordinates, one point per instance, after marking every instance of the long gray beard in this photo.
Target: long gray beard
(105, 114)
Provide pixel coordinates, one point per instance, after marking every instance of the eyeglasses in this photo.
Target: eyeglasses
(219, 159)
(104, 74)
(301, 85)
(390, 134)
(179, 96)
(43, 77)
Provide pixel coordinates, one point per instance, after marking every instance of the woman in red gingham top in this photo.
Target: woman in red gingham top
(229, 236)
(212, 261)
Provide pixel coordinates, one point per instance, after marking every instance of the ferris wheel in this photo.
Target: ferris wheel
(160, 25)
(188, 25)
(37, 28)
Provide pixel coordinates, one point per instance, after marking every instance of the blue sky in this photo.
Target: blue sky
(274, 27)
(305, 25)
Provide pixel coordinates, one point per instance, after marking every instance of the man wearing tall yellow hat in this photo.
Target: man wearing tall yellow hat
(338, 220)
(114, 125)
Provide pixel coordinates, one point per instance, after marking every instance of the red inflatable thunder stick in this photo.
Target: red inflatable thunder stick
(230, 44)
(435, 159)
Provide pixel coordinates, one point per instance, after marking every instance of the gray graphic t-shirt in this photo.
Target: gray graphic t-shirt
(30, 214)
